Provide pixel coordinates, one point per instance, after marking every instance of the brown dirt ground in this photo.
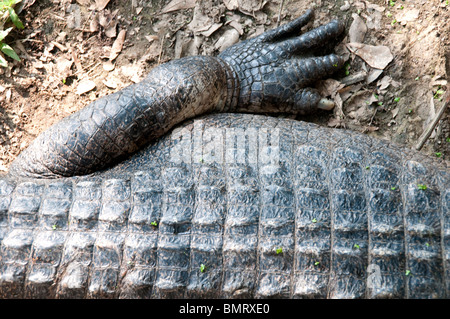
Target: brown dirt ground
(60, 48)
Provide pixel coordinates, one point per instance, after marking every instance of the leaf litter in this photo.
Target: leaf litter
(97, 57)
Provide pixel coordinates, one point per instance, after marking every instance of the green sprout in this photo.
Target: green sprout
(393, 22)
(356, 246)
(7, 11)
(54, 227)
(316, 263)
(438, 154)
(422, 186)
(417, 78)
(393, 188)
(154, 223)
(279, 250)
(407, 272)
(314, 220)
(396, 99)
(347, 69)
(438, 94)
(447, 139)
(202, 268)
(391, 3)
(367, 167)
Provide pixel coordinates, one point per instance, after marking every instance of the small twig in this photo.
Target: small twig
(279, 13)
(86, 22)
(161, 50)
(426, 134)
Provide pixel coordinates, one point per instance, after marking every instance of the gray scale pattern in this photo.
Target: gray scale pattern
(288, 210)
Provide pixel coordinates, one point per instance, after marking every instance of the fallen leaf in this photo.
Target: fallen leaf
(336, 122)
(212, 29)
(110, 83)
(151, 38)
(178, 5)
(395, 112)
(374, 6)
(357, 30)
(376, 56)
(111, 31)
(231, 4)
(94, 26)
(251, 6)
(329, 87)
(371, 128)
(237, 26)
(230, 37)
(84, 3)
(407, 16)
(101, 4)
(63, 66)
(108, 66)
(384, 82)
(373, 20)
(117, 45)
(373, 75)
(85, 86)
(345, 7)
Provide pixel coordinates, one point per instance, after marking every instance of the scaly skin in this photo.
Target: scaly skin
(271, 207)
(270, 73)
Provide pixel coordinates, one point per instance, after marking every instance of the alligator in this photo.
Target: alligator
(173, 188)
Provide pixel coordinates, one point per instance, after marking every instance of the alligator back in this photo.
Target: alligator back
(234, 205)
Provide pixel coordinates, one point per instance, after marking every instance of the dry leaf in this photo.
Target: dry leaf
(117, 45)
(376, 56)
(345, 7)
(237, 26)
(110, 83)
(108, 66)
(178, 5)
(230, 37)
(63, 66)
(374, 6)
(151, 38)
(407, 16)
(231, 4)
(212, 29)
(336, 122)
(101, 4)
(357, 30)
(373, 75)
(85, 86)
(329, 87)
(84, 3)
(384, 82)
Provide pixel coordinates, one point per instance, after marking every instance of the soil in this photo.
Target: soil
(65, 50)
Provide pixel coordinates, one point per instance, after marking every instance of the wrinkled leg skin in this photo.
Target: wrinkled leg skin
(267, 74)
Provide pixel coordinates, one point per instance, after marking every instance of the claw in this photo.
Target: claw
(325, 104)
(290, 29)
(317, 37)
